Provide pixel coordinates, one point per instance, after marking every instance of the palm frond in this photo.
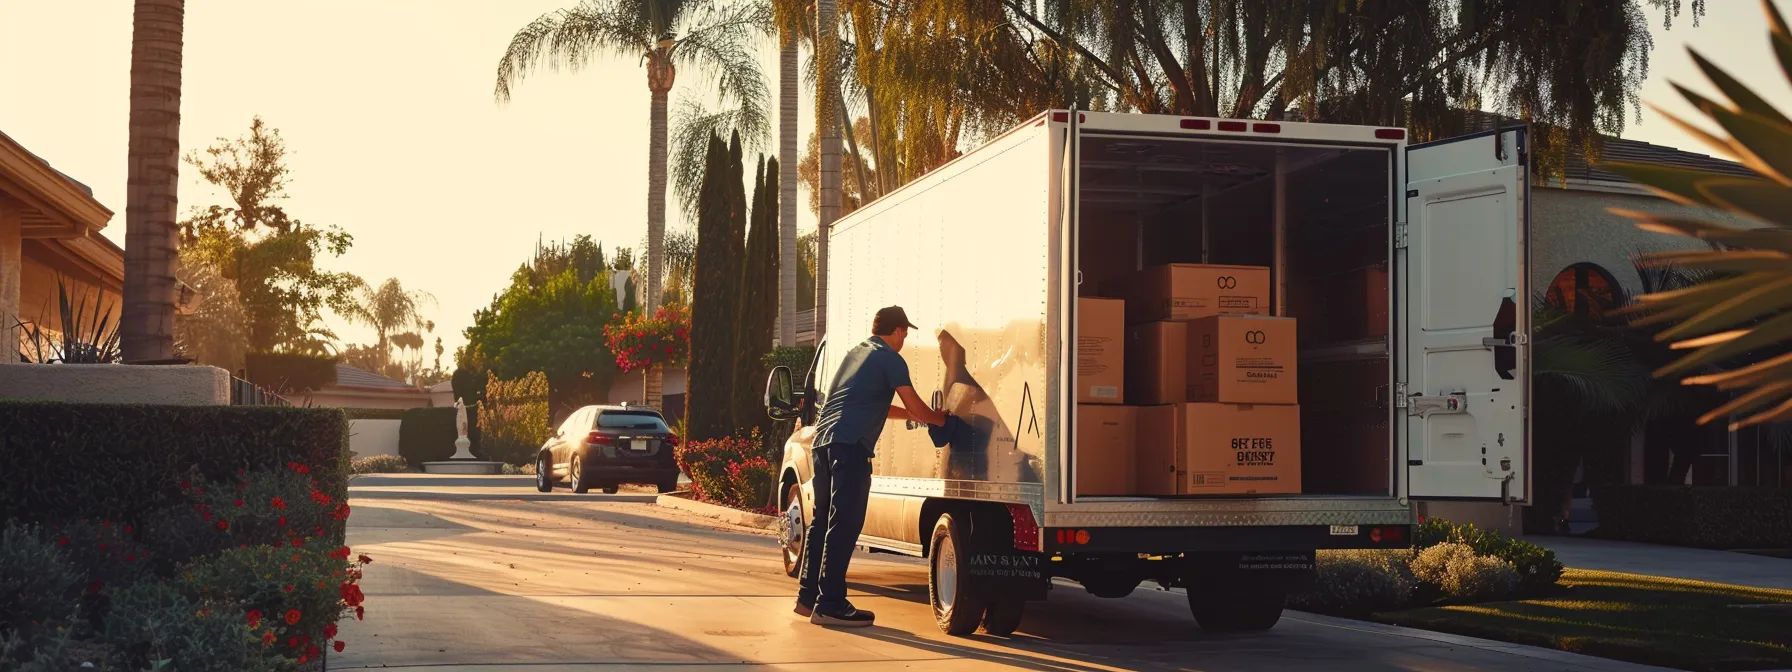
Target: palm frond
(693, 124)
(720, 43)
(570, 38)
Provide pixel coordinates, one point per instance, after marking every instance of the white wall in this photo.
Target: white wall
(115, 384)
(628, 386)
(373, 437)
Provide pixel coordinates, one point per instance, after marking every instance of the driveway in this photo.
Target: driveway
(496, 583)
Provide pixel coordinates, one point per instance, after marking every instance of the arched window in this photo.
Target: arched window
(1583, 289)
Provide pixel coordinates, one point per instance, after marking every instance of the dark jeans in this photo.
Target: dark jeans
(842, 484)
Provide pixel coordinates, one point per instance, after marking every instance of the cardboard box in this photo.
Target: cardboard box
(1243, 359)
(1219, 449)
(1184, 292)
(1157, 363)
(1105, 438)
(1375, 284)
(1159, 455)
(1100, 351)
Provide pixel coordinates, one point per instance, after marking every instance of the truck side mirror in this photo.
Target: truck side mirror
(781, 401)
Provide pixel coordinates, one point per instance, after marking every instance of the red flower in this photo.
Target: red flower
(127, 529)
(340, 553)
(360, 612)
(366, 560)
(206, 515)
(340, 646)
(267, 639)
(254, 617)
(304, 659)
(296, 542)
(330, 631)
(239, 503)
(292, 642)
(279, 503)
(95, 586)
(310, 652)
(352, 595)
(282, 521)
(185, 486)
(293, 616)
(288, 588)
(224, 525)
(276, 543)
(298, 468)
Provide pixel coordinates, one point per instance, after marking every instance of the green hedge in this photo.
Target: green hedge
(375, 413)
(66, 462)
(1702, 517)
(428, 434)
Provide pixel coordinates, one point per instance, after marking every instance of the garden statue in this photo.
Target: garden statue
(461, 443)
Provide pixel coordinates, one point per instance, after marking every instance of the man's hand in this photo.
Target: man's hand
(914, 408)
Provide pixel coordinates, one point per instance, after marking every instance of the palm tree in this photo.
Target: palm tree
(1739, 319)
(827, 119)
(390, 309)
(664, 34)
(789, 28)
(151, 237)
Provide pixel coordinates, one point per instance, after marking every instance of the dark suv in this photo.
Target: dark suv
(606, 446)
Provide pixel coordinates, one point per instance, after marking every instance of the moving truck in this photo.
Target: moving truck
(1403, 267)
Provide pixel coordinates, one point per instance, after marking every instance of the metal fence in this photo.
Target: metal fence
(245, 393)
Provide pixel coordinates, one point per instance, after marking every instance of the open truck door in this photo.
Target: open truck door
(1463, 305)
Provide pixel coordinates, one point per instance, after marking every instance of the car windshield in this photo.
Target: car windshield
(627, 420)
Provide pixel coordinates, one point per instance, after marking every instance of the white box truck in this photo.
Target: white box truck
(1403, 264)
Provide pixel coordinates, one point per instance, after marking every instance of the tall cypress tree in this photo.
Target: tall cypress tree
(709, 399)
(758, 299)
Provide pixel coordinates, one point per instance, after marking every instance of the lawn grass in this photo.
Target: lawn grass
(1690, 625)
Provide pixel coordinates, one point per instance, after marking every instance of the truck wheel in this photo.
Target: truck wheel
(947, 577)
(1003, 616)
(1226, 608)
(791, 531)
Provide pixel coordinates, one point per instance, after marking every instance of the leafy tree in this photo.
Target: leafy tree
(711, 37)
(758, 301)
(551, 324)
(215, 332)
(715, 295)
(270, 257)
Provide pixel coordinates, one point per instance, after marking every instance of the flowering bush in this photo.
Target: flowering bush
(640, 341)
(379, 464)
(289, 597)
(513, 418)
(730, 471)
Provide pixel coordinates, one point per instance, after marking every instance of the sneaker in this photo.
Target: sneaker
(804, 609)
(846, 618)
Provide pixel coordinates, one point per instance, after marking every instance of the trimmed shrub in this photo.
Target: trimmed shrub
(1358, 583)
(1458, 573)
(124, 463)
(1700, 517)
(293, 594)
(375, 413)
(1537, 567)
(380, 464)
(156, 622)
(428, 434)
(514, 418)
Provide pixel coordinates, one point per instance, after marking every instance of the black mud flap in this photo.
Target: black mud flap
(1010, 575)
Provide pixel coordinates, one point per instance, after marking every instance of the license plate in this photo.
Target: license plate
(641, 445)
(1343, 530)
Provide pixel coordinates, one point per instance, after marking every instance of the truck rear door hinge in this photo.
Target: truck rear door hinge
(1399, 395)
(1399, 236)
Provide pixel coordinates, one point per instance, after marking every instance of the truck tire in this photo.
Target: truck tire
(948, 570)
(1222, 608)
(792, 533)
(1003, 617)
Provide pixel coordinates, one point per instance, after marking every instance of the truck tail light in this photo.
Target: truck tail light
(1266, 128)
(1073, 537)
(1026, 530)
(1237, 126)
(1197, 124)
(1390, 133)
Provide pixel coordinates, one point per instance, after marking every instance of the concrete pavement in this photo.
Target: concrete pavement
(576, 584)
(1695, 564)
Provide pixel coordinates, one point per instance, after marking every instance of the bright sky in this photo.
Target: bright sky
(387, 106)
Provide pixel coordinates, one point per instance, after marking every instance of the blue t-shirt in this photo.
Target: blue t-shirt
(859, 399)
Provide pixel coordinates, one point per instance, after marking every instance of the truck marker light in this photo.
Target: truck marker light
(1197, 124)
(1390, 133)
(1266, 128)
(1375, 534)
(1232, 126)
(1060, 117)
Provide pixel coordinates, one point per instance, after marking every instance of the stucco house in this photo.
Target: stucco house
(49, 232)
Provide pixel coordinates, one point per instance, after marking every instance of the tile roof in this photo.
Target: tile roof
(349, 376)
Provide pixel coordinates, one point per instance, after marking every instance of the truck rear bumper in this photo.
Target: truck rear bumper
(1173, 540)
(1306, 511)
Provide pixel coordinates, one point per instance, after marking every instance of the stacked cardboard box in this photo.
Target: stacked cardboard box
(1215, 379)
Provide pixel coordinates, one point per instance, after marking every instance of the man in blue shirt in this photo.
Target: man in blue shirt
(871, 376)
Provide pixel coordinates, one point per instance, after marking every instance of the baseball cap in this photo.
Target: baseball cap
(890, 319)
